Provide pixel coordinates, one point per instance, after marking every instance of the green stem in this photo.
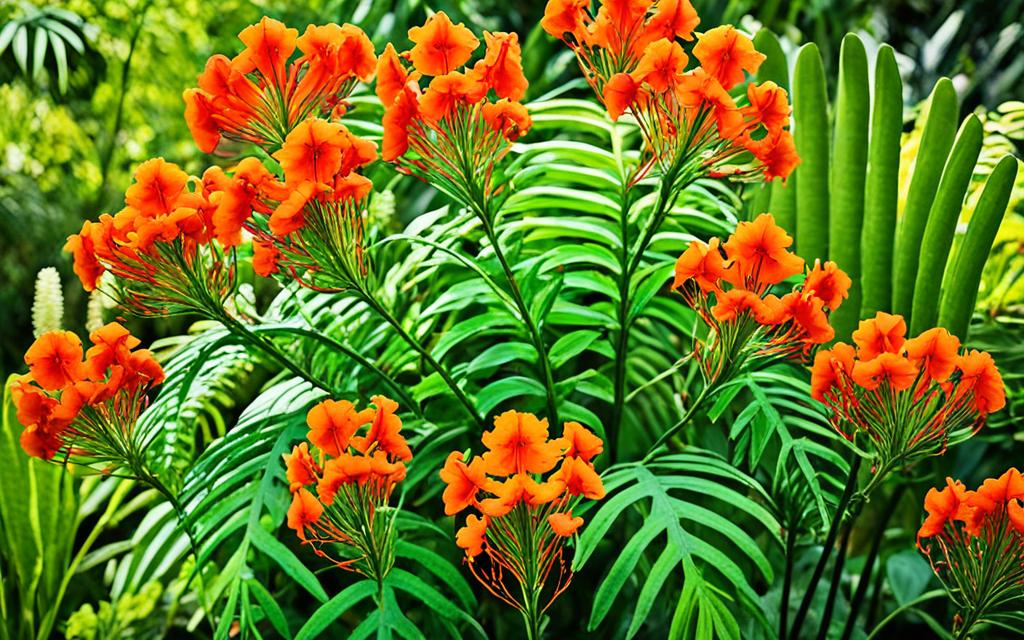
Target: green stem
(787, 581)
(264, 344)
(418, 347)
(524, 311)
(622, 338)
(826, 551)
(108, 152)
(869, 562)
(682, 421)
(938, 593)
(833, 587)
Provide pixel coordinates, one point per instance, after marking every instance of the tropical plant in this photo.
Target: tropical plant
(849, 186)
(383, 280)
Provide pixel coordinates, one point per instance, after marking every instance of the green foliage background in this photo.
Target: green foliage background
(67, 153)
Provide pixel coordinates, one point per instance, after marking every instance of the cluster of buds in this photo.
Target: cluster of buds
(524, 519)
(631, 56)
(731, 294)
(454, 133)
(260, 97)
(909, 396)
(311, 222)
(83, 407)
(353, 476)
(974, 541)
(158, 246)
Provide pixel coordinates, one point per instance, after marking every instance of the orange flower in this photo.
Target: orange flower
(937, 350)
(501, 68)
(616, 21)
(265, 257)
(704, 264)
(565, 17)
(39, 443)
(201, 123)
(289, 216)
(519, 443)
(769, 106)
(83, 251)
(1016, 515)
(440, 45)
(342, 470)
(269, 44)
(519, 488)
(305, 510)
(830, 366)
(776, 152)
(302, 470)
(734, 302)
(942, 506)
(580, 479)
(445, 93)
(158, 185)
(334, 51)
(759, 250)
(384, 431)
(392, 75)
(55, 360)
(580, 442)
(996, 492)
(333, 423)
(510, 119)
(464, 482)
(111, 343)
(662, 65)
(725, 53)
(980, 375)
(238, 195)
(396, 121)
(563, 524)
(619, 94)
(472, 536)
(828, 283)
(312, 151)
(674, 19)
(895, 370)
(885, 333)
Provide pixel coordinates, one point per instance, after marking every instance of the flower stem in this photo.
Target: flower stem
(682, 421)
(826, 551)
(787, 582)
(418, 347)
(481, 210)
(869, 562)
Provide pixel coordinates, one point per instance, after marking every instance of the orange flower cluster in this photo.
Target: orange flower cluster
(453, 133)
(909, 396)
(260, 97)
(158, 246)
(974, 541)
(524, 520)
(312, 221)
(85, 404)
(354, 476)
(731, 295)
(631, 56)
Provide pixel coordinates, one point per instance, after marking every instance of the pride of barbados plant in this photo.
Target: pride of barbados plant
(910, 397)
(629, 53)
(974, 541)
(516, 547)
(262, 93)
(746, 325)
(498, 300)
(354, 476)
